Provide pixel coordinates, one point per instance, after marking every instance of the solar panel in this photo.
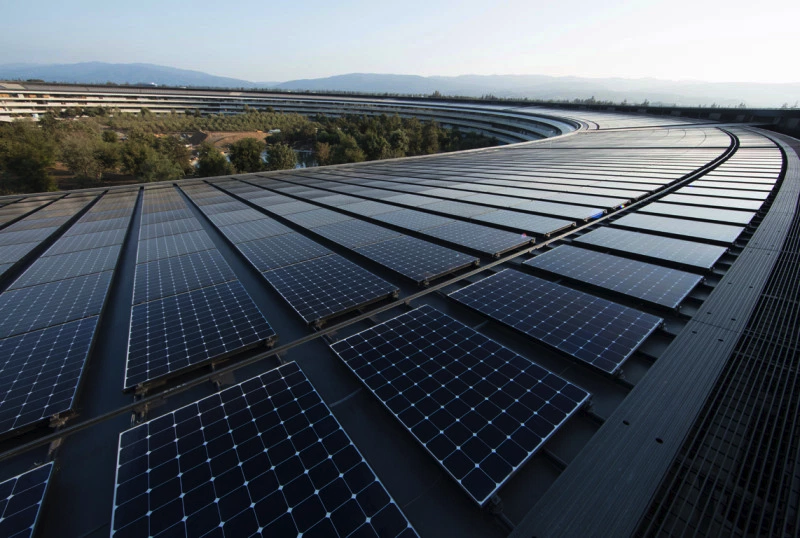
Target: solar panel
(369, 208)
(572, 212)
(10, 237)
(40, 371)
(173, 245)
(524, 222)
(98, 226)
(161, 216)
(481, 238)
(730, 216)
(459, 209)
(355, 233)
(416, 259)
(170, 276)
(323, 287)
(264, 457)
(479, 409)
(89, 241)
(169, 227)
(63, 266)
(412, 220)
(588, 328)
(281, 250)
(722, 233)
(317, 217)
(178, 332)
(53, 303)
(652, 283)
(236, 217)
(250, 231)
(21, 499)
(13, 253)
(726, 193)
(655, 246)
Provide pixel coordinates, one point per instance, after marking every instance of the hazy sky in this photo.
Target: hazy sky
(267, 40)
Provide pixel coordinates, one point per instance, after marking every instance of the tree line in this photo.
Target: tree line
(151, 148)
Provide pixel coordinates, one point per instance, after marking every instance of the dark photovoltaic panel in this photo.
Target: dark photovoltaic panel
(169, 227)
(8, 237)
(369, 208)
(63, 266)
(355, 233)
(327, 286)
(89, 241)
(646, 281)
(480, 409)
(525, 222)
(711, 231)
(236, 217)
(173, 245)
(174, 333)
(264, 457)
(281, 250)
(412, 220)
(250, 231)
(481, 238)
(730, 216)
(21, 499)
(590, 329)
(655, 246)
(40, 371)
(416, 259)
(317, 217)
(53, 303)
(713, 201)
(97, 226)
(170, 276)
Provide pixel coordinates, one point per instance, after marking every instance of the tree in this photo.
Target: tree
(79, 155)
(375, 146)
(212, 162)
(159, 167)
(27, 152)
(174, 149)
(280, 157)
(245, 155)
(347, 151)
(322, 153)
(110, 136)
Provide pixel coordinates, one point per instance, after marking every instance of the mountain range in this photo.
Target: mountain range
(656, 91)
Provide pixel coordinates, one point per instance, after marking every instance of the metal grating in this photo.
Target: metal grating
(738, 473)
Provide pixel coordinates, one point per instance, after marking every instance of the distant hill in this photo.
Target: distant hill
(100, 73)
(686, 93)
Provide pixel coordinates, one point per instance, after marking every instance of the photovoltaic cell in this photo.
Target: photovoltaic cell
(250, 231)
(593, 330)
(21, 499)
(524, 222)
(723, 233)
(412, 220)
(416, 259)
(264, 457)
(40, 371)
(98, 226)
(729, 216)
(181, 331)
(173, 245)
(53, 303)
(646, 281)
(481, 238)
(327, 286)
(281, 250)
(169, 227)
(170, 276)
(317, 217)
(655, 246)
(479, 409)
(53, 268)
(77, 243)
(10, 237)
(355, 233)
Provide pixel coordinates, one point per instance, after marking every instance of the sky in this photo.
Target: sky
(277, 40)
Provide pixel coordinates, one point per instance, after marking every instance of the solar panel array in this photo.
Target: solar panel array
(477, 407)
(188, 306)
(654, 247)
(49, 314)
(21, 499)
(652, 283)
(317, 283)
(590, 329)
(265, 456)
